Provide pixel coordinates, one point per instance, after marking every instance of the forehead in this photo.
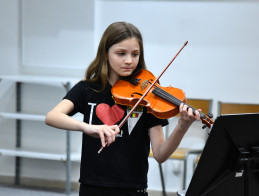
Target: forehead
(127, 43)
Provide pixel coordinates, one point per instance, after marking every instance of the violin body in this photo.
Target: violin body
(128, 92)
(162, 102)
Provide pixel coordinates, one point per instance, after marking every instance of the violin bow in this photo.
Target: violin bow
(155, 81)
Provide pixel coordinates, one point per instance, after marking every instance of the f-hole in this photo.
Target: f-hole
(132, 95)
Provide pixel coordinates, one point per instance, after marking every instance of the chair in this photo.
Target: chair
(183, 153)
(235, 108)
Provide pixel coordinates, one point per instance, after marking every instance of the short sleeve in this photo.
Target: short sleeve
(154, 121)
(77, 95)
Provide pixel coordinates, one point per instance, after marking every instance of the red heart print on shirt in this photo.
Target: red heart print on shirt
(109, 115)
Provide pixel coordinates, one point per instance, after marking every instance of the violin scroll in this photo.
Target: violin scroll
(206, 120)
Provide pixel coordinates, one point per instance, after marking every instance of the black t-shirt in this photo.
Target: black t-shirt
(124, 163)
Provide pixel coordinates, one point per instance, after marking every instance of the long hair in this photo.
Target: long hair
(98, 70)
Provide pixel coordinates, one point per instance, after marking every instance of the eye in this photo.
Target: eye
(135, 54)
(120, 53)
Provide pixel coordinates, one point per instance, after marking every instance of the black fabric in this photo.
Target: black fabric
(125, 162)
(88, 190)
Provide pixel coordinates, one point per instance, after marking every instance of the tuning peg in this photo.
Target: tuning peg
(210, 115)
(204, 126)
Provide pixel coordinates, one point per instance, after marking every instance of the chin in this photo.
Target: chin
(124, 74)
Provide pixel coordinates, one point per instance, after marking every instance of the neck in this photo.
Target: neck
(113, 79)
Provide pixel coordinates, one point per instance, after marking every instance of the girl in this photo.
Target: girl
(121, 168)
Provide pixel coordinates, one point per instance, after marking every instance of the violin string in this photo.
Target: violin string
(172, 99)
(169, 97)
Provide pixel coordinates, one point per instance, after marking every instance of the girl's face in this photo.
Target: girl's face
(123, 58)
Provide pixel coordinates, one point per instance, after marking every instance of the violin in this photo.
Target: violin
(162, 102)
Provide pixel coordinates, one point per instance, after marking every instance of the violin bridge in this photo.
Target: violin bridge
(144, 84)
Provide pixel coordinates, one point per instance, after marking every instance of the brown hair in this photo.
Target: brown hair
(98, 70)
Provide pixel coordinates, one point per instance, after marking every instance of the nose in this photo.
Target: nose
(128, 59)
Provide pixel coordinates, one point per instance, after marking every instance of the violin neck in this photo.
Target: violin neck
(172, 99)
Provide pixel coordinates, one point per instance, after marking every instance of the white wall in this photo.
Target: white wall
(9, 36)
(55, 37)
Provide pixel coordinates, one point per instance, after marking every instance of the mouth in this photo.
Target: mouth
(127, 69)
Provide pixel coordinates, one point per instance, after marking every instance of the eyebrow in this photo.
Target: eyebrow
(121, 48)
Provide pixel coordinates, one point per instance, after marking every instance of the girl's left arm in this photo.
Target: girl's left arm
(162, 148)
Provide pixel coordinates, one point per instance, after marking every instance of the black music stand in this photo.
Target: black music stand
(229, 164)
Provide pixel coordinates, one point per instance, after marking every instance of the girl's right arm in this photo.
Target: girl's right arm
(58, 118)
